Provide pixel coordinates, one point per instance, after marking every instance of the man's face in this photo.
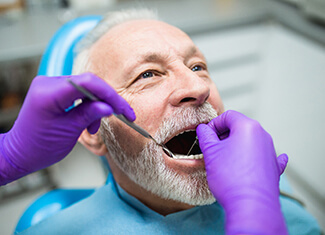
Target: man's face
(160, 72)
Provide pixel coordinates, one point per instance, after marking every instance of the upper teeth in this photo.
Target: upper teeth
(179, 156)
(184, 132)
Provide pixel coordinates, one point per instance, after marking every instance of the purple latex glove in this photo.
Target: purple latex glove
(243, 173)
(44, 133)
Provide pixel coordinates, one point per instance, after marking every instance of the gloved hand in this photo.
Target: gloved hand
(243, 173)
(44, 133)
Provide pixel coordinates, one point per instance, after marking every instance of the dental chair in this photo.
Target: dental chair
(58, 60)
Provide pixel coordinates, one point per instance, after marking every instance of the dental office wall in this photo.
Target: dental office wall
(264, 69)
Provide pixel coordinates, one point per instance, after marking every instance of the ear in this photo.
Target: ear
(93, 143)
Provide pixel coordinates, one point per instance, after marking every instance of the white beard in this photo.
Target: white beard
(148, 168)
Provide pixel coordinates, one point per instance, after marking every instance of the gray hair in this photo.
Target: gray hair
(81, 61)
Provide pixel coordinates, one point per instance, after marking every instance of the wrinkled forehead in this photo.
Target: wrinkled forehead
(142, 31)
(127, 44)
(140, 36)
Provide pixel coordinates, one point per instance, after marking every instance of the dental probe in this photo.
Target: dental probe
(143, 133)
(195, 142)
(121, 117)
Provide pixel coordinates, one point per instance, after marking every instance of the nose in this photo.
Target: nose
(189, 89)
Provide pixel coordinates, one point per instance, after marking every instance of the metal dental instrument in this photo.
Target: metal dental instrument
(195, 142)
(143, 133)
(134, 126)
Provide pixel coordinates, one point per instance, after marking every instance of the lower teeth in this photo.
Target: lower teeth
(197, 156)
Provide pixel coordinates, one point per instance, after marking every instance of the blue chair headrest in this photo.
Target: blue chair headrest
(58, 57)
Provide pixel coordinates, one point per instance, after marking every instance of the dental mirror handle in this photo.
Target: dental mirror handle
(134, 126)
(143, 132)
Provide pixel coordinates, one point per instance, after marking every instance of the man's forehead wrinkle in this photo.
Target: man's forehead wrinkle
(147, 57)
(160, 57)
(145, 45)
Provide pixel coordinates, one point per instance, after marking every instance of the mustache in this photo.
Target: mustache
(184, 117)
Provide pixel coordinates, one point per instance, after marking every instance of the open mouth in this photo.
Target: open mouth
(182, 143)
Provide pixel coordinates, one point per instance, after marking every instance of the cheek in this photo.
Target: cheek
(215, 100)
(129, 140)
(149, 107)
(149, 112)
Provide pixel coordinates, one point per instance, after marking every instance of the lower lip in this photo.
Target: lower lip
(186, 162)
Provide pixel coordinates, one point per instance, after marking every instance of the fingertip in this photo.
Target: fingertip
(282, 162)
(205, 133)
(201, 125)
(102, 109)
(201, 128)
(90, 111)
(284, 158)
(93, 127)
(130, 114)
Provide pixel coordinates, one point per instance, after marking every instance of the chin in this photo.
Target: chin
(181, 178)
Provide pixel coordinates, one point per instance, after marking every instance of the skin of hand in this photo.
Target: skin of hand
(44, 133)
(243, 173)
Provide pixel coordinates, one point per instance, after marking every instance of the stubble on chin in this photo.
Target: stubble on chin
(148, 169)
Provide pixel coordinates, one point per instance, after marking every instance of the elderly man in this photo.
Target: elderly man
(159, 71)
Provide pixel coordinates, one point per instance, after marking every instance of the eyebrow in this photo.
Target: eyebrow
(152, 58)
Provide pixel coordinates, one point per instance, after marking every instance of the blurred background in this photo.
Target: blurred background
(267, 58)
